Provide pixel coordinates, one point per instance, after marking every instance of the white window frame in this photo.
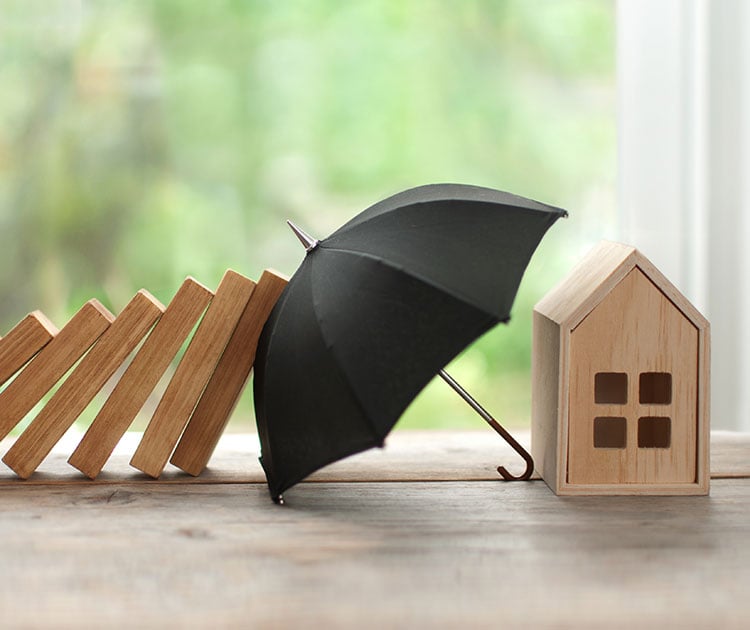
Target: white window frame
(683, 71)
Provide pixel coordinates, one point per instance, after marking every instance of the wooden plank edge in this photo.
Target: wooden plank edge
(192, 374)
(141, 377)
(230, 377)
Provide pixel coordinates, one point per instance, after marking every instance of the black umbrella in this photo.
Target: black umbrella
(376, 310)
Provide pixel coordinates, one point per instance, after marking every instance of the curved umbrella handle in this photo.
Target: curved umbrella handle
(497, 427)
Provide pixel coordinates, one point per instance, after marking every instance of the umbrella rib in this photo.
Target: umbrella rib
(343, 376)
(432, 193)
(421, 278)
(491, 321)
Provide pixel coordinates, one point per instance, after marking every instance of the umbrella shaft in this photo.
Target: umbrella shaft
(483, 413)
(470, 400)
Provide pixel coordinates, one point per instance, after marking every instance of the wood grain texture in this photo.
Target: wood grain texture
(220, 397)
(703, 464)
(652, 336)
(79, 389)
(409, 455)
(26, 338)
(615, 312)
(51, 364)
(373, 555)
(141, 377)
(546, 382)
(587, 283)
(192, 374)
(596, 275)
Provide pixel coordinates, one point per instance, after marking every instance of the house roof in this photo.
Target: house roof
(596, 275)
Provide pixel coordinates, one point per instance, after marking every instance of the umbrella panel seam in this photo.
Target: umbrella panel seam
(421, 278)
(491, 321)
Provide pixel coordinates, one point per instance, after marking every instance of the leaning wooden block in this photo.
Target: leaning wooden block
(87, 379)
(220, 397)
(27, 338)
(192, 374)
(51, 364)
(141, 377)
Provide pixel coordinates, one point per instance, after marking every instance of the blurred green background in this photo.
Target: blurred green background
(144, 141)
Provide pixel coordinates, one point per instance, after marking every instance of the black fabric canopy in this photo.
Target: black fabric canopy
(376, 310)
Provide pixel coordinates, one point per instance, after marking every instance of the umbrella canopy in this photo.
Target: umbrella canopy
(376, 310)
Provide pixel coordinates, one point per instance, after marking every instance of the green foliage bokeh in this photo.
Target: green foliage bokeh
(144, 141)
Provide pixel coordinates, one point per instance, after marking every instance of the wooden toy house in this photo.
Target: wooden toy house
(620, 382)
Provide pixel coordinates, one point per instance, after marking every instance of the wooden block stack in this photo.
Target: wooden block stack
(196, 405)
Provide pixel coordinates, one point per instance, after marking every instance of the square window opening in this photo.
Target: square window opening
(610, 432)
(654, 432)
(611, 388)
(655, 388)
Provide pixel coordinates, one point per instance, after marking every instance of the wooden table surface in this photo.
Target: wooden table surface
(419, 534)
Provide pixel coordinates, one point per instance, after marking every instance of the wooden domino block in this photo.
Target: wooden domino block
(141, 377)
(82, 385)
(220, 397)
(26, 338)
(192, 374)
(49, 365)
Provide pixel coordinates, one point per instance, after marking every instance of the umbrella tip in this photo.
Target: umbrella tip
(308, 241)
(278, 499)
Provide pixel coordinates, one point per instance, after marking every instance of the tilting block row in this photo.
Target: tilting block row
(196, 405)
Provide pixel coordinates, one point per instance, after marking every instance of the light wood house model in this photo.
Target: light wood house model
(620, 383)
